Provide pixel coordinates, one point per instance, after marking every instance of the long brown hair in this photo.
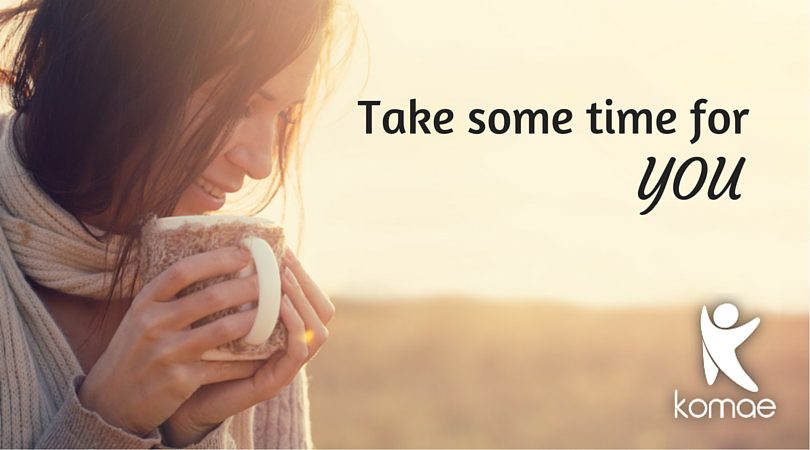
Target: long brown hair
(103, 83)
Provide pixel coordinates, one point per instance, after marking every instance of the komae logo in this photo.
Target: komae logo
(719, 341)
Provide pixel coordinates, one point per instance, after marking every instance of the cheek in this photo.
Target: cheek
(183, 206)
(220, 161)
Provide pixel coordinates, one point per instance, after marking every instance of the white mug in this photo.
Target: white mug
(264, 264)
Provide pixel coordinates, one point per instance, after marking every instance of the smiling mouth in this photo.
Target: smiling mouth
(212, 190)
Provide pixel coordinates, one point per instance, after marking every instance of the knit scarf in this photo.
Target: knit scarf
(41, 240)
(49, 244)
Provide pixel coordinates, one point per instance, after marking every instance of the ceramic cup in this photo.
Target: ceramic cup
(167, 240)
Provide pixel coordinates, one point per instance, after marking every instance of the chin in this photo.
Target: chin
(195, 201)
(184, 210)
(187, 208)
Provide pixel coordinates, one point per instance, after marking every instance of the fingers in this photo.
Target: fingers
(316, 331)
(280, 370)
(217, 371)
(217, 297)
(225, 329)
(321, 303)
(297, 349)
(277, 372)
(195, 268)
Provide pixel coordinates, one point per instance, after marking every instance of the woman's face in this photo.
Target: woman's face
(248, 152)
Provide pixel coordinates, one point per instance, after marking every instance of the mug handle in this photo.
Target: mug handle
(269, 302)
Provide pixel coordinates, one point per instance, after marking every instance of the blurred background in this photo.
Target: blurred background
(503, 290)
(557, 217)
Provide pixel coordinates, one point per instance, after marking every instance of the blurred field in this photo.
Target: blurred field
(450, 373)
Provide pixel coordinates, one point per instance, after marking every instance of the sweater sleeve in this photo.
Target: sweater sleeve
(280, 422)
(75, 426)
(219, 437)
(283, 421)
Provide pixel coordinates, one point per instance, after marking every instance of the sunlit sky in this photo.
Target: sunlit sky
(557, 217)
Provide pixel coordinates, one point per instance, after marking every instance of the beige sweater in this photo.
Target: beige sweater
(39, 373)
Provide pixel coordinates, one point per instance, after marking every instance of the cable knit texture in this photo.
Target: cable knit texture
(40, 375)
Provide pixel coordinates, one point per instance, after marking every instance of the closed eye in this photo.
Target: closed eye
(292, 113)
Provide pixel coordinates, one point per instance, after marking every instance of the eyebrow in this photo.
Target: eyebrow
(271, 98)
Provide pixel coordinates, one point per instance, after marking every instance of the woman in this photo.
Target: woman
(123, 110)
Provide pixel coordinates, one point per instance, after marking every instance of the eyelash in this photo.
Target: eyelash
(286, 117)
(285, 114)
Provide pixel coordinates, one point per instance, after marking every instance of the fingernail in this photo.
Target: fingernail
(288, 273)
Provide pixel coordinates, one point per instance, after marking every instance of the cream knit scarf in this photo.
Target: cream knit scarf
(41, 240)
(49, 244)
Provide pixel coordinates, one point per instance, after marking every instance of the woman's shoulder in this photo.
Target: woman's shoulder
(5, 117)
(7, 261)
(10, 266)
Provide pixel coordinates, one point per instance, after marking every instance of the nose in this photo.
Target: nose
(253, 150)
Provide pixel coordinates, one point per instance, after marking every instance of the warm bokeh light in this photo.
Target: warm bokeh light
(308, 336)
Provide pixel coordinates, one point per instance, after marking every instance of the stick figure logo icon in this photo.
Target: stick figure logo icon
(720, 342)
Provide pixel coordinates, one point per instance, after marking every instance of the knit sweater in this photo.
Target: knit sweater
(40, 376)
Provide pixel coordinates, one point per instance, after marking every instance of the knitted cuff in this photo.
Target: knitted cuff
(75, 426)
(219, 437)
(283, 421)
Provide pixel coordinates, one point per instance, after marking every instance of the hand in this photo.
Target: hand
(305, 310)
(152, 363)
